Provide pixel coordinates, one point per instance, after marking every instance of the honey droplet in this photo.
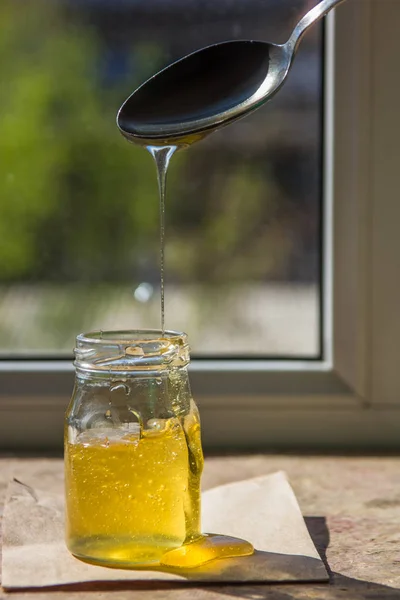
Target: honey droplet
(204, 549)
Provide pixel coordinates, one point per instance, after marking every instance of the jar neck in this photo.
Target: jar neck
(114, 377)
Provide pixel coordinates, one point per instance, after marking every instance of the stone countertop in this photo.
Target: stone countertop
(351, 507)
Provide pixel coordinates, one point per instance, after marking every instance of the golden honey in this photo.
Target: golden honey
(131, 497)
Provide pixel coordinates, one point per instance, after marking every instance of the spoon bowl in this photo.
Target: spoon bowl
(211, 87)
(201, 92)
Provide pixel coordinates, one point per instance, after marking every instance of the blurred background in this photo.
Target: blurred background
(79, 222)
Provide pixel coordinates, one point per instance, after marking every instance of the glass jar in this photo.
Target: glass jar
(133, 456)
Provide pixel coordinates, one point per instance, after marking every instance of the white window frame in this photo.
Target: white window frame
(351, 399)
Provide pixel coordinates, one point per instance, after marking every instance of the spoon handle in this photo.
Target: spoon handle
(309, 19)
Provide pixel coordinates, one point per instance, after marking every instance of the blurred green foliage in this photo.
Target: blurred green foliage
(75, 199)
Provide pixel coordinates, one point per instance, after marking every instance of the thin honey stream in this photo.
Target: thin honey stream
(162, 155)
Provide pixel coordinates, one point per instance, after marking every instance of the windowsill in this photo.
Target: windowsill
(350, 509)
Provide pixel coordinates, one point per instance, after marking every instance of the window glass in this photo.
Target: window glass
(79, 221)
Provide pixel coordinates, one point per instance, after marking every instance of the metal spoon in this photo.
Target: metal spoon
(211, 87)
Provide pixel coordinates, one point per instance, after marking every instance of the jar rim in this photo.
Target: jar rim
(128, 336)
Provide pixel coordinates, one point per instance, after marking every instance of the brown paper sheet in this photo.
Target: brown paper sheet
(263, 511)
